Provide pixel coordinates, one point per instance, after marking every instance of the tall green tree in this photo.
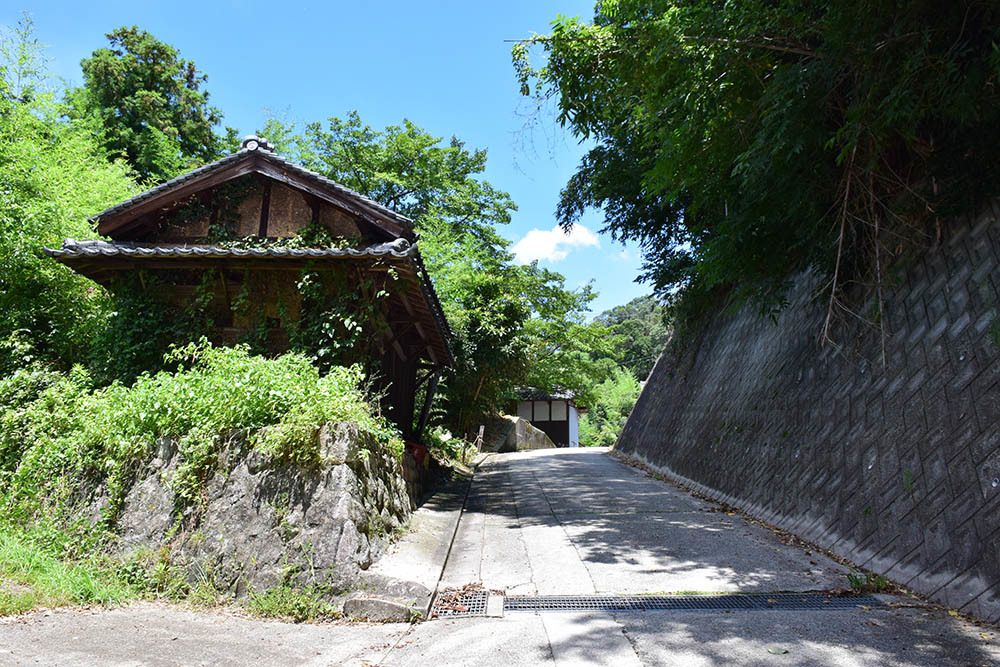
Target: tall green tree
(53, 174)
(740, 141)
(601, 425)
(149, 103)
(514, 325)
(640, 330)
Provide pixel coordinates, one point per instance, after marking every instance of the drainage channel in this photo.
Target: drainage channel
(477, 603)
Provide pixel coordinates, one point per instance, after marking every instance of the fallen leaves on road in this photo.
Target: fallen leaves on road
(451, 599)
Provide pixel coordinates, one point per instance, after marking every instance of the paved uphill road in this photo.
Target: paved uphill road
(573, 522)
(579, 522)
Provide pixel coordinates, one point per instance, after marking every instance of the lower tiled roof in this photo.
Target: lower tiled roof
(80, 254)
(72, 248)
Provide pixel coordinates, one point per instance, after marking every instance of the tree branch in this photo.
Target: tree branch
(756, 45)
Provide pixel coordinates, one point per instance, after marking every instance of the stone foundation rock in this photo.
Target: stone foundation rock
(507, 433)
(262, 525)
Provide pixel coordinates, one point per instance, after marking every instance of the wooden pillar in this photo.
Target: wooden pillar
(425, 411)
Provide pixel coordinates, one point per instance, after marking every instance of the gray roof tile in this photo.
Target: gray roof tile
(92, 248)
(266, 155)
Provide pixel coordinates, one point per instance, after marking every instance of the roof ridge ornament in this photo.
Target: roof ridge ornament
(252, 142)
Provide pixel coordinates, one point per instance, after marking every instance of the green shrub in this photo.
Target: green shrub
(602, 424)
(60, 439)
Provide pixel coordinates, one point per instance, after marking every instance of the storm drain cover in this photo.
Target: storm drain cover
(753, 601)
(452, 604)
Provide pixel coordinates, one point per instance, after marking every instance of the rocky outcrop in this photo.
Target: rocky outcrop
(507, 433)
(261, 525)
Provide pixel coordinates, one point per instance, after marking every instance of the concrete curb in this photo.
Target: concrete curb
(403, 584)
(453, 531)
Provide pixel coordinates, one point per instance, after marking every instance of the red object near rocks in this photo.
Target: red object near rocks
(418, 452)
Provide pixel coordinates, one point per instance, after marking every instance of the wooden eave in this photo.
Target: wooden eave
(409, 293)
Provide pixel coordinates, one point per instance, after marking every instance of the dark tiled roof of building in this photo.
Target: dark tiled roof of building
(72, 248)
(74, 252)
(533, 394)
(261, 149)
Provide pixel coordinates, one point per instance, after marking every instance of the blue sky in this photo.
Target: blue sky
(442, 64)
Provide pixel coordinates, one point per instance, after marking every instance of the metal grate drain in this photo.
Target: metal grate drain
(754, 601)
(460, 604)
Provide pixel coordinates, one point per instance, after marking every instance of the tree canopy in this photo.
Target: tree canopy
(601, 425)
(53, 174)
(741, 141)
(640, 330)
(514, 325)
(149, 104)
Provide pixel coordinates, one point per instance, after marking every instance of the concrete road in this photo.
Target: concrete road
(554, 522)
(579, 522)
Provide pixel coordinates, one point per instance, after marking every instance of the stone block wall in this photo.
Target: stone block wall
(895, 467)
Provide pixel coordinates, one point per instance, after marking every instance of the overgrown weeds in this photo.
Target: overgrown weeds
(300, 604)
(866, 582)
(59, 438)
(69, 454)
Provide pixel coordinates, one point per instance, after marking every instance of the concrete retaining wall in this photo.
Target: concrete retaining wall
(894, 468)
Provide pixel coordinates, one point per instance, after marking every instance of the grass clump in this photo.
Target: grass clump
(866, 582)
(31, 577)
(299, 604)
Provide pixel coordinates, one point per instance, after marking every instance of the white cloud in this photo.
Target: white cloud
(553, 244)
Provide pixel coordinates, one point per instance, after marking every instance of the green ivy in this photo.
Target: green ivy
(341, 315)
(141, 327)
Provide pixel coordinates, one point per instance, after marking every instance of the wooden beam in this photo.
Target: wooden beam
(425, 411)
(420, 329)
(225, 289)
(265, 209)
(313, 203)
(384, 225)
(398, 334)
(122, 219)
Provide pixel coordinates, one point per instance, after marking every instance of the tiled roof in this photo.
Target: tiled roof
(72, 248)
(261, 150)
(73, 251)
(534, 394)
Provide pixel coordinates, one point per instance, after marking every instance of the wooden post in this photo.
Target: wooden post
(479, 440)
(425, 412)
